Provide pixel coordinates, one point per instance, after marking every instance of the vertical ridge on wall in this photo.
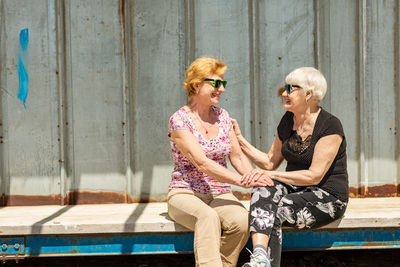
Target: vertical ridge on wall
(254, 71)
(189, 20)
(62, 99)
(3, 180)
(4, 171)
(54, 83)
(130, 44)
(317, 32)
(357, 94)
(363, 156)
(69, 106)
(126, 122)
(397, 89)
(323, 55)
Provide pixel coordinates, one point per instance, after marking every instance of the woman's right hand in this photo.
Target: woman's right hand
(236, 127)
(257, 177)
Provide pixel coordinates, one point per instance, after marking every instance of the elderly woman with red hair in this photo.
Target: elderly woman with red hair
(200, 198)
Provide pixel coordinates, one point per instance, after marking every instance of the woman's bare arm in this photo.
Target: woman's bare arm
(266, 161)
(188, 145)
(325, 152)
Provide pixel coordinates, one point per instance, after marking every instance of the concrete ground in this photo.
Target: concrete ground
(343, 258)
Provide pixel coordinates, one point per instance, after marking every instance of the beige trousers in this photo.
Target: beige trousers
(219, 222)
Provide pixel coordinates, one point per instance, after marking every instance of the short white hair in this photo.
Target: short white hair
(309, 78)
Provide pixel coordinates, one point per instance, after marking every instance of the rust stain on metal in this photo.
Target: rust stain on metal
(21, 200)
(104, 197)
(76, 198)
(122, 12)
(387, 190)
(354, 192)
(89, 197)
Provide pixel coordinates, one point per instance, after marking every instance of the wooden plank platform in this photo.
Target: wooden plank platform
(153, 217)
(124, 229)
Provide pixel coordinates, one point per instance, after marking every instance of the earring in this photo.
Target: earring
(306, 101)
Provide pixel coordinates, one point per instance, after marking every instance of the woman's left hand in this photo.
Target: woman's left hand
(257, 177)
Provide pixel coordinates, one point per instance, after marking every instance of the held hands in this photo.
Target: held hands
(257, 177)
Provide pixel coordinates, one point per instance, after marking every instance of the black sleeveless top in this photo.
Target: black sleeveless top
(299, 154)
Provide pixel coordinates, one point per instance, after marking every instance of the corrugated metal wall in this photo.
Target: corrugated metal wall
(105, 76)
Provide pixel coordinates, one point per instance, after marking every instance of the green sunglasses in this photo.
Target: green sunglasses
(217, 83)
(289, 87)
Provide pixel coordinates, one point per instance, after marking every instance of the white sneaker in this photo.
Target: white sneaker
(257, 260)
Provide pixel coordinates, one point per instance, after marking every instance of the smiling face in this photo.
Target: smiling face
(207, 94)
(312, 88)
(295, 100)
(201, 69)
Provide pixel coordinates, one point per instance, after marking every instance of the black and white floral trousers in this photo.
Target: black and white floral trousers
(287, 205)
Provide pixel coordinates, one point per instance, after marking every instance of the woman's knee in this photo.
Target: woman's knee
(208, 214)
(243, 221)
(240, 222)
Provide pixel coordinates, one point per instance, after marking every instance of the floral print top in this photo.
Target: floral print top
(185, 174)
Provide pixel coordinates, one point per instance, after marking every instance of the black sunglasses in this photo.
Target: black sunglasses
(217, 83)
(289, 87)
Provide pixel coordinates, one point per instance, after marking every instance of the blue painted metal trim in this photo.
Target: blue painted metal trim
(341, 239)
(152, 243)
(109, 244)
(12, 246)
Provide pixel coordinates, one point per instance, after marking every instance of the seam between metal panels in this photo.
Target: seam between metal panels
(62, 105)
(190, 37)
(254, 72)
(327, 43)
(130, 44)
(357, 93)
(363, 116)
(396, 33)
(59, 24)
(257, 89)
(53, 43)
(317, 30)
(182, 44)
(3, 105)
(127, 9)
(125, 100)
(69, 105)
(2, 74)
(251, 67)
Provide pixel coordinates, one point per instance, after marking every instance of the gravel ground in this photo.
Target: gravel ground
(348, 258)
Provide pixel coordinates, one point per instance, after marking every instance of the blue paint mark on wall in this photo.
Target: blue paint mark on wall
(23, 78)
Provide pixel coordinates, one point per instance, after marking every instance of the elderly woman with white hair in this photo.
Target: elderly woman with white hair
(313, 190)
